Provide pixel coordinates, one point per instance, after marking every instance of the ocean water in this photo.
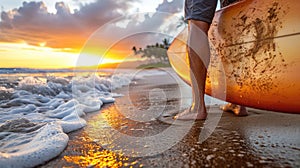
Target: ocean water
(39, 107)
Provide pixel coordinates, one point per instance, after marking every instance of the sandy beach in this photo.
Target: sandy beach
(97, 83)
(262, 139)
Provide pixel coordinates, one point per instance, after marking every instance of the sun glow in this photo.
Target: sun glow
(43, 44)
(27, 56)
(23, 55)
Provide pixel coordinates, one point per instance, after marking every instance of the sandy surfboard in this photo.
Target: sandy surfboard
(255, 55)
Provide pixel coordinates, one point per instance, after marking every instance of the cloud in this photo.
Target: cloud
(62, 9)
(174, 6)
(33, 24)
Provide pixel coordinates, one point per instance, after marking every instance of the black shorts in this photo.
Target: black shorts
(203, 10)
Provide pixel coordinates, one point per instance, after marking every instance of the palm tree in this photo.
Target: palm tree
(166, 43)
(154, 52)
(134, 50)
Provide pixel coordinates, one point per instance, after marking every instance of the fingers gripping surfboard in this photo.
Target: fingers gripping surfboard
(257, 44)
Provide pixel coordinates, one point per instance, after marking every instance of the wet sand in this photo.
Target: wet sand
(262, 139)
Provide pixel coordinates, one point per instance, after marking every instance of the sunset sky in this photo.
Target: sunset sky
(56, 34)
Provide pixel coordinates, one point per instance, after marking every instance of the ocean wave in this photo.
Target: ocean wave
(38, 112)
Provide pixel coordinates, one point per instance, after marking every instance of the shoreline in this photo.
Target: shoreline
(260, 139)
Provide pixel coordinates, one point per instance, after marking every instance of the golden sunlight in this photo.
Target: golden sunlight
(98, 158)
(23, 55)
(43, 44)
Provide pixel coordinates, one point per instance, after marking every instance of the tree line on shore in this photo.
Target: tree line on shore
(156, 53)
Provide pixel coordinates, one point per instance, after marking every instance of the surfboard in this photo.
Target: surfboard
(255, 55)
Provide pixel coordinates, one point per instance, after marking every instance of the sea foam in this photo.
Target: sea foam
(30, 147)
(39, 111)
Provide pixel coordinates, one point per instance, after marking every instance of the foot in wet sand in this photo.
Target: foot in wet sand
(236, 109)
(189, 114)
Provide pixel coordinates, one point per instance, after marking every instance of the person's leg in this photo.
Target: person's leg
(198, 52)
(199, 13)
(236, 109)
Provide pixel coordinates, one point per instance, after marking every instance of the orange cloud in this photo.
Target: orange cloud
(69, 32)
(33, 24)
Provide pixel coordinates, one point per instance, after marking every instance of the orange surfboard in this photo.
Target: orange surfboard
(255, 55)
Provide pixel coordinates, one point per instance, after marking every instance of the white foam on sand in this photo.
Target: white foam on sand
(31, 148)
(35, 119)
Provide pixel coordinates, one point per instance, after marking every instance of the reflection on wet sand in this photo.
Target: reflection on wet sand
(86, 152)
(262, 139)
(97, 158)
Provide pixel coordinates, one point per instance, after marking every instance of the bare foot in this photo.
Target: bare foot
(236, 109)
(188, 114)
